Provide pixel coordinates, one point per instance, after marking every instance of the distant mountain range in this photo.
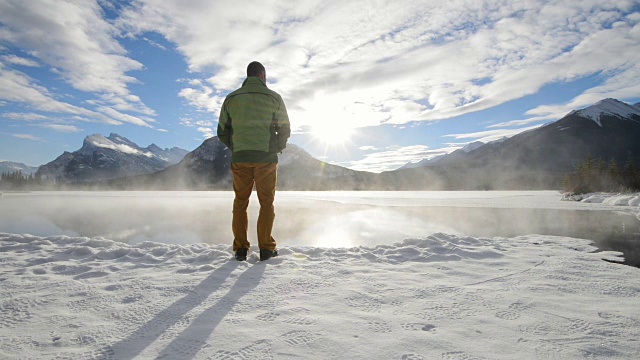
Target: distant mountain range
(110, 157)
(207, 167)
(11, 167)
(536, 159)
(539, 158)
(426, 162)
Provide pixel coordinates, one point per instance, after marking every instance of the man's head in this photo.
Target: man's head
(257, 69)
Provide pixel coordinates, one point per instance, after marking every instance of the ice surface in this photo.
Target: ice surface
(435, 295)
(327, 219)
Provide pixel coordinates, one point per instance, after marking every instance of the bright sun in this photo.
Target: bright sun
(331, 135)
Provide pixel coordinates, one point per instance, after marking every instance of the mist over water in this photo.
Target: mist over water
(324, 219)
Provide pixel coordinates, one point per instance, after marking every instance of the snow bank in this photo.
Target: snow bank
(606, 198)
(442, 296)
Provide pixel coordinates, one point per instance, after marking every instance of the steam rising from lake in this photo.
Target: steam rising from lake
(325, 219)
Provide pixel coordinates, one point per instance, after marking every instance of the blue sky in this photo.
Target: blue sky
(370, 85)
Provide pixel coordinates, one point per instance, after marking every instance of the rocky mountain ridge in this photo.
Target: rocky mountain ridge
(102, 158)
(535, 159)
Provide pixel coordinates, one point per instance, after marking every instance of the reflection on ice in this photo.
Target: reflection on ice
(323, 219)
(372, 226)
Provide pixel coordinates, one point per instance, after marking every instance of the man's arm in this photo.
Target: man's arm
(283, 128)
(224, 127)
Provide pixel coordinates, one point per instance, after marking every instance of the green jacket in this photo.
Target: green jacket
(254, 123)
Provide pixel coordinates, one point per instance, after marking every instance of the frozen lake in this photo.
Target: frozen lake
(322, 219)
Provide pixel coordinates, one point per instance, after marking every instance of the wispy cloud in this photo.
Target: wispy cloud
(16, 86)
(42, 121)
(491, 135)
(395, 157)
(206, 132)
(27, 137)
(155, 44)
(623, 85)
(24, 116)
(114, 114)
(62, 128)
(528, 121)
(80, 47)
(16, 60)
(80, 44)
(202, 96)
(334, 62)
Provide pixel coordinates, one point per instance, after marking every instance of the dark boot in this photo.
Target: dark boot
(266, 254)
(241, 254)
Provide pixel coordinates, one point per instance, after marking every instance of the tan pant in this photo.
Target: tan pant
(244, 176)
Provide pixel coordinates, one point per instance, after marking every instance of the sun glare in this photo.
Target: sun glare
(331, 135)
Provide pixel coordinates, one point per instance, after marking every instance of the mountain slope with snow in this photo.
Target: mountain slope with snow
(207, 167)
(110, 157)
(609, 107)
(11, 167)
(535, 159)
(465, 149)
(538, 158)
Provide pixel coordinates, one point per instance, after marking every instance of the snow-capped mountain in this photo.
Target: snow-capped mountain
(421, 163)
(11, 167)
(608, 130)
(109, 157)
(535, 159)
(207, 167)
(465, 149)
(609, 107)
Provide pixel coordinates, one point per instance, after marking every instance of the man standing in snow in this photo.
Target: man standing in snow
(255, 126)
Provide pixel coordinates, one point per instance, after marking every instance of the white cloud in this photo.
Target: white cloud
(16, 60)
(532, 120)
(202, 97)
(31, 117)
(155, 44)
(130, 103)
(105, 143)
(114, 114)
(206, 132)
(27, 137)
(420, 60)
(395, 157)
(62, 128)
(15, 86)
(188, 122)
(76, 41)
(24, 116)
(491, 135)
(622, 86)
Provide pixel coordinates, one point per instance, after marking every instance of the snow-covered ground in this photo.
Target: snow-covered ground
(431, 296)
(607, 199)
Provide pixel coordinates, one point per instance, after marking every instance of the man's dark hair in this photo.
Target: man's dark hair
(255, 68)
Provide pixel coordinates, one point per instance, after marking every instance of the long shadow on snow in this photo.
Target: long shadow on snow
(201, 328)
(196, 335)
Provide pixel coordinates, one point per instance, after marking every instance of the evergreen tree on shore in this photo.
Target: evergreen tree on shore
(592, 176)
